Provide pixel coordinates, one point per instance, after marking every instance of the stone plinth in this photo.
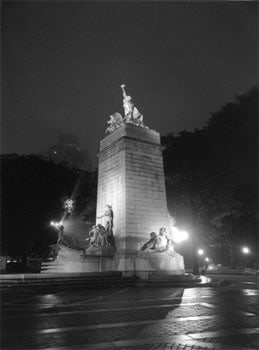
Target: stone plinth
(72, 261)
(167, 264)
(144, 264)
(131, 180)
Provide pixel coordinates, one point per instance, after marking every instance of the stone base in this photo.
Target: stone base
(71, 261)
(141, 263)
(101, 251)
(144, 264)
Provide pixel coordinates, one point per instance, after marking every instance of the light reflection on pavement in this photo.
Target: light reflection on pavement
(250, 292)
(224, 316)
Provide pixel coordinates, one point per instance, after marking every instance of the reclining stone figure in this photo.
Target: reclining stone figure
(159, 243)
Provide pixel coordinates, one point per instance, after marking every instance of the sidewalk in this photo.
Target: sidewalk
(214, 317)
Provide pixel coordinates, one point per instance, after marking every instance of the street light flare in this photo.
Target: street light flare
(56, 224)
(200, 251)
(245, 250)
(178, 235)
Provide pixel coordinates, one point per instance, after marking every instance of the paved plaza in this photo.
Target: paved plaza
(221, 316)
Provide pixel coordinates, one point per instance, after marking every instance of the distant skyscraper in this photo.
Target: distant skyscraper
(68, 151)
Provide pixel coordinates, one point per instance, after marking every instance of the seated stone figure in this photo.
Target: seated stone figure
(62, 240)
(99, 241)
(151, 243)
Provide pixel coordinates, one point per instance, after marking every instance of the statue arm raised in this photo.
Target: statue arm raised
(123, 90)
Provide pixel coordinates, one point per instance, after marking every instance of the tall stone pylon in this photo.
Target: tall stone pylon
(131, 180)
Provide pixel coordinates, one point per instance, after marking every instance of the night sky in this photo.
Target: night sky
(63, 64)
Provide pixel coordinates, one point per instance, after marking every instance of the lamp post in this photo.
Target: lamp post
(246, 251)
(200, 253)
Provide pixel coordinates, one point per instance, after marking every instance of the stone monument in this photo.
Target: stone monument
(132, 231)
(131, 182)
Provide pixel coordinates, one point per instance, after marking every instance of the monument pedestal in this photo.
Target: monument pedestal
(131, 206)
(131, 181)
(72, 261)
(144, 264)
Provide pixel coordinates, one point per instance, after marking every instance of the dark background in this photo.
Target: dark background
(63, 63)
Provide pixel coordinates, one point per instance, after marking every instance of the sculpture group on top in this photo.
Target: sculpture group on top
(131, 114)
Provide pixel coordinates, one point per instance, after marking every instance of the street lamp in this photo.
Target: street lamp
(56, 224)
(245, 251)
(207, 259)
(69, 205)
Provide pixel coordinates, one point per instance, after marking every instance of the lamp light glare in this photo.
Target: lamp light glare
(56, 224)
(179, 236)
(207, 259)
(200, 251)
(184, 235)
(245, 250)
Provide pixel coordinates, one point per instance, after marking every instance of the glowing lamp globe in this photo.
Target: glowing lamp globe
(245, 250)
(179, 236)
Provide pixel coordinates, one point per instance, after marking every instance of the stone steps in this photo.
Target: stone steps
(57, 281)
(86, 265)
(60, 281)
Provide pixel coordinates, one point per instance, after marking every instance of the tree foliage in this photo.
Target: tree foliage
(211, 174)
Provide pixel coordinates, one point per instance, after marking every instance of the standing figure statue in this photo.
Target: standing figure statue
(108, 223)
(132, 115)
(61, 237)
(127, 104)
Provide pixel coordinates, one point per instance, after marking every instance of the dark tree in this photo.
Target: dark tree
(211, 175)
(86, 196)
(32, 192)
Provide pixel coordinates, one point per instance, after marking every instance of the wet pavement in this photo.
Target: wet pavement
(222, 316)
